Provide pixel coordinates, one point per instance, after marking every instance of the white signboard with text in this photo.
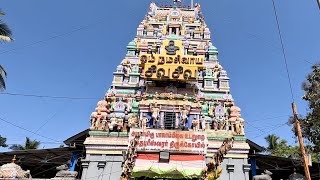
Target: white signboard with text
(171, 140)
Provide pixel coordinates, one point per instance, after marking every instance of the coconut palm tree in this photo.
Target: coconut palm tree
(29, 144)
(272, 141)
(5, 35)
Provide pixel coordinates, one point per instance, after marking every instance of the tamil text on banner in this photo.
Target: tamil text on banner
(170, 140)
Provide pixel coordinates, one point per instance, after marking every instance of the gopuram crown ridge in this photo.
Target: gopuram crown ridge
(171, 90)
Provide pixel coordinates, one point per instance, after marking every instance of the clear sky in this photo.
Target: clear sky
(70, 48)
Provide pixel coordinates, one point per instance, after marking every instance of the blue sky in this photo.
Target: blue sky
(70, 48)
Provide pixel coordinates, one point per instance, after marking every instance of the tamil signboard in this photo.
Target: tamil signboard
(170, 140)
(171, 64)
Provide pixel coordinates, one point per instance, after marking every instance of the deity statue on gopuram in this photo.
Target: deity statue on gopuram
(169, 112)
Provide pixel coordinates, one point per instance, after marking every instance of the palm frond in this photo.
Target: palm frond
(34, 144)
(2, 84)
(3, 74)
(31, 144)
(5, 38)
(5, 30)
(2, 13)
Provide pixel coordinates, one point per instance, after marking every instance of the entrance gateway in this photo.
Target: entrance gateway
(169, 108)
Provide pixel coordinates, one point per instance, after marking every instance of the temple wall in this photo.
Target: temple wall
(234, 169)
(105, 167)
(101, 167)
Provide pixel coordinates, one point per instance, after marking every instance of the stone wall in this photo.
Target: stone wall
(102, 167)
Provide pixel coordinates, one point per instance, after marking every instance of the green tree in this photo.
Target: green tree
(310, 123)
(29, 144)
(5, 35)
(272, 141)
(279, 147)
(3, 142)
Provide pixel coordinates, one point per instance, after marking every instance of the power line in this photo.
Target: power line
(268, 118)
(266, 132)
(17, 126)
(49, 119)
(282, 47)
(52, 37)
(48, 96)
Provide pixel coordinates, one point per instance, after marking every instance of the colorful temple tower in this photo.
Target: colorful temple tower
(169, 107)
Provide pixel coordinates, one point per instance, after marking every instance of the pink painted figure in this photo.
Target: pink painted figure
(96, 119)
(235, 121)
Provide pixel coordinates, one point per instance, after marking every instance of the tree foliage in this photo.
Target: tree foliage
(279, 147)
(29, 144)
(310, 123)
(5, 32)
(3, 142)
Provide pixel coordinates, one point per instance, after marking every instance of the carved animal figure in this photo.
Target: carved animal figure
(63, 171)
(264, 176)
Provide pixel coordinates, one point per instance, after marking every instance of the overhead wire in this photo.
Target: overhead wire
(48, 96)
(54, 37)
(283, 49)
(266, 132)
(55, 114)
(25, 129)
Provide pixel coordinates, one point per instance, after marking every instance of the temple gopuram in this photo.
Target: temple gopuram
(169, 110)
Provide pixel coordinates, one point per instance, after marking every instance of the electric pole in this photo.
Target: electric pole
(299, 134)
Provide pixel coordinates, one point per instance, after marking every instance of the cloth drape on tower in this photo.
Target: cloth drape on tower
(180, 166)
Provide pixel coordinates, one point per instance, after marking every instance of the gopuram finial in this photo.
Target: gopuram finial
(14, 158)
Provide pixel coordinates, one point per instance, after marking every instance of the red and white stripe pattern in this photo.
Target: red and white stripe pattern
(195, 162)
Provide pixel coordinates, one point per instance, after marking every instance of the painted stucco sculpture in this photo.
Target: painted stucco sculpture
(13, 171)
(170, 80)
(64, 173)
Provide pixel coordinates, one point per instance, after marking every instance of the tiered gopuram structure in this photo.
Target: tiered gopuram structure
(169, 107)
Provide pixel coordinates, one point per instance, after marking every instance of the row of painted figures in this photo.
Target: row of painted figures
(101, 121)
